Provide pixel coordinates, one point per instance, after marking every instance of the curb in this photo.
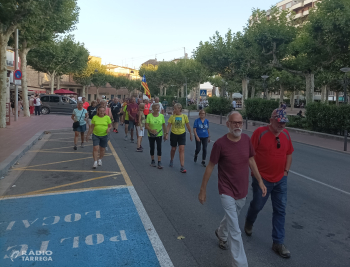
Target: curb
(16, 155)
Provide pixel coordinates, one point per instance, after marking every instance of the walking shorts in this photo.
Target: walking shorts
(177, 139)
(100, 140)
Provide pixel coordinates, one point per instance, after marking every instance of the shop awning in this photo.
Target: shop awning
(64, 92)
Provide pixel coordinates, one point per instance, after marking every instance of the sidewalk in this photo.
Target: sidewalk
(296, 137)
(23, 129)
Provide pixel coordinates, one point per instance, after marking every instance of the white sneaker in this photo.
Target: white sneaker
(99, 163)
(95, 165)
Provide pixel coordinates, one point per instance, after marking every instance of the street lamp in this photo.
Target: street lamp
(345, 82)
(264, 85)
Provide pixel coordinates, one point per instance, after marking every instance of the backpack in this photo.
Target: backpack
(34, 100)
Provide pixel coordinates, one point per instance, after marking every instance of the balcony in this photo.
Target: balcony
(308, 2)
(299, 15)
(297, 5)
(306, 12)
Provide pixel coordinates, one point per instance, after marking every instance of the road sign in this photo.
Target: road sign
(18, 82)
(18, 75)
(203, 92)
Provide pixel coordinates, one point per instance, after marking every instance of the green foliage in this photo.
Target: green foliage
(260, 109)
(192, 107)
(170, 99)
(297, 122)
(218, 105)
(328, 118)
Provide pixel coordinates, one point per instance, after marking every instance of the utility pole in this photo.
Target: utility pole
(16, 68)
(185, 76)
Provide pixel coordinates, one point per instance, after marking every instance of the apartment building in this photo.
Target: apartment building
(300, 7)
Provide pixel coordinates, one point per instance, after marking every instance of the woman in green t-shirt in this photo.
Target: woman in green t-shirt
(126, 118)
(101, 124)
(155, 125)
(178, 123)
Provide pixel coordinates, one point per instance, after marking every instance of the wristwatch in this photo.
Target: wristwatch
(286, 171)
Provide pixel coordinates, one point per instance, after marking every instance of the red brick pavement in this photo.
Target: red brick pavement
(297, 137)
(23, 129)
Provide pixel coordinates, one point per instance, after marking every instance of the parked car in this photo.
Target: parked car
(57, 103)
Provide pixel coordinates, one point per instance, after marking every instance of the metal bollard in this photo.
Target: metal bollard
(246, 123)
(345, 140)
(220, 118)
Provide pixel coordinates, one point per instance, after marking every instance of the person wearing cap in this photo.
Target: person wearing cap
(273, 148)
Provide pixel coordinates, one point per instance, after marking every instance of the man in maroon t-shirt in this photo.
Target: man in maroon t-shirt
(273, 147)
(132, 109)
(234, 154)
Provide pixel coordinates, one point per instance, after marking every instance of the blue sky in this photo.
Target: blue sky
(131, 32)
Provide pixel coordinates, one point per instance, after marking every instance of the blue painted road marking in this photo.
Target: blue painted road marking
(89, 228)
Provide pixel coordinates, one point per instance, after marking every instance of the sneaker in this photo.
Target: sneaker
(281, 250)
(222, 244)
(141, 147)
(183, 170)
(139, 150)
(75, 147)
(153, 164)
(171, 164)
(126, 138)
(99, 163)
(82, 145)
(248, 228)
(160, 166)
(195, 158)
(203, 164)
(95, 165)
(116, 131)
(131, 140)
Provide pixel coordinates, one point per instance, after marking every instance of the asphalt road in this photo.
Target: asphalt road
(317, 222)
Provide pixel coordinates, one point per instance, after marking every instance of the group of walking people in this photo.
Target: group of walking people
(268, 154)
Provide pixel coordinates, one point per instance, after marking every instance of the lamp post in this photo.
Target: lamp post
(264, 85)
(345, 83)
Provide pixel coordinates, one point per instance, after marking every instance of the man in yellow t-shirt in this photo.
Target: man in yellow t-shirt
(177, 124)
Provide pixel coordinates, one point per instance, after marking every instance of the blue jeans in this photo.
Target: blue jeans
(278, 192)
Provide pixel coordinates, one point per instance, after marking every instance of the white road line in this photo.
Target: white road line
(162, 254)
(306, 177)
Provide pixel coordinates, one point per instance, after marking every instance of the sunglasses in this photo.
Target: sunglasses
(278, 142)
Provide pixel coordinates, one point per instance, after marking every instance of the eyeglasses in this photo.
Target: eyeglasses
(238, 123)
(278, 142)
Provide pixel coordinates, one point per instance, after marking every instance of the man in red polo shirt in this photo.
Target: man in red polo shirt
(234, 154)
(85, 104)
(273, 148)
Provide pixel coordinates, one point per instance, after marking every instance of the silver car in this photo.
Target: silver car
(57, 104)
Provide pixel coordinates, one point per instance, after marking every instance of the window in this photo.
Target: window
(89, 97)
(45, 98)
(54, 99)
(289, 5)
(112, 96)
(119, 96)
(94, 96)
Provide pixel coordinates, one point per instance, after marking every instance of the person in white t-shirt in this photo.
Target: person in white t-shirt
(161, 109)
(37, 104)
(234, 104)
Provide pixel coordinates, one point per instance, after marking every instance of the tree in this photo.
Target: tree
(57, 17)
(99, 79)
(61, 56)
(12, 13)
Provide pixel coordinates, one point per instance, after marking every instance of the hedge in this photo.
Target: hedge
(328, 118)
(218, 105)
(259, 109)
(181, 100)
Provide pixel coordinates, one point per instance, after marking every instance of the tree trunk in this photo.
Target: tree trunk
(310, 87)
(97, 94)
(252, 93)
(52, 82)
(337, 98)
(4, 38)
(84, 91)
(161, 90)
(282, 93)
(58, 85)
(292, 95)
(327, 95)
(268, 94)
(182, 91)
(323, 93)
(198, 92)
(244, 90)
(23, 56)
(178, 93)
